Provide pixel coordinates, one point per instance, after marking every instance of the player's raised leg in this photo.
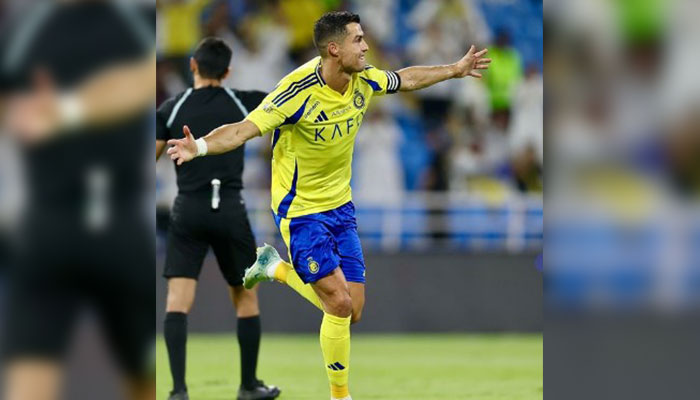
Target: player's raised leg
(181, 293)
(335, 330)
(270, 265)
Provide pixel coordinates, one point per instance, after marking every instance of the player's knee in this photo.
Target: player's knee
(340, 304)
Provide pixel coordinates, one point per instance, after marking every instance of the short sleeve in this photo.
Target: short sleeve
(282, 105)
(162, 115)
(252, 99)
(382, 82)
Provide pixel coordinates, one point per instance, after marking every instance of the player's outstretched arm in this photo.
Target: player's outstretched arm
(414, 78)
(221, 140)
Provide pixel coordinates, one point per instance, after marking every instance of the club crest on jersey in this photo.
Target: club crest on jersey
(358, 100)
(313, 265)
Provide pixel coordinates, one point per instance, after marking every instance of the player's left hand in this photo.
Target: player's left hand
(183, 150)
(471, 62)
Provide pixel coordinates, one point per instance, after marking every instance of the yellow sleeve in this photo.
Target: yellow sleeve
(382, 82)
(282, 105)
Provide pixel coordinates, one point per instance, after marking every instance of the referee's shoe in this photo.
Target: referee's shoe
(178, 396)
(260, 392)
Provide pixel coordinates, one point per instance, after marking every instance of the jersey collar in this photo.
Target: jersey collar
(318, 74)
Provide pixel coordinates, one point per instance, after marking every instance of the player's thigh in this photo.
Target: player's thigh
(312, 247)
(352, 260)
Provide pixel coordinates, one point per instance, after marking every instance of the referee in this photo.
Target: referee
(209, 211)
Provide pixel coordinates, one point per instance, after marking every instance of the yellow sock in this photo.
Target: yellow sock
(335, 345)
(285, 273)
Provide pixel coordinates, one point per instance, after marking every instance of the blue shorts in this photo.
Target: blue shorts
(319, 243)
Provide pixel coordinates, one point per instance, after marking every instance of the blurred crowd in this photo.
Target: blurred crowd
(622, 128)
(483, 137)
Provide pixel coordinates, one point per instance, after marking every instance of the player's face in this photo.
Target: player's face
(353, 49)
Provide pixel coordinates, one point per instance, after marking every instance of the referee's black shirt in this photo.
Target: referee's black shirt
(204, 110)
(73, 41)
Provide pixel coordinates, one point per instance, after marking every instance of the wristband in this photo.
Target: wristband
(70, 111)
(201, 147)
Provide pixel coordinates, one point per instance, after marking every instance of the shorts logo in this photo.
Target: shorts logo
(358, 100)
(313, 265)
(267, 107)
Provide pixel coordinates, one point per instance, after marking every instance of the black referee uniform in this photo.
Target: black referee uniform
(209, 209)
(86, 239)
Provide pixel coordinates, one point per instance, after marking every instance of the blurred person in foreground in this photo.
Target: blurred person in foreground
(75, 94)
(209, 211)
(314, 114)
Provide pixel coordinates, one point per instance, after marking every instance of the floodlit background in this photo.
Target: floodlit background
(448, 187)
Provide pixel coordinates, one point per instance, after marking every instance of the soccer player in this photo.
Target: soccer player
(209, 211)
(314, 114)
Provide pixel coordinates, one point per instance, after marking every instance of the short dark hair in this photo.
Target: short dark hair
(331, 25)
(213, 57)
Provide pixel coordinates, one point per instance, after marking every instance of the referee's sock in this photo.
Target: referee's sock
(175, 332)
(284, 272)
(248, 330)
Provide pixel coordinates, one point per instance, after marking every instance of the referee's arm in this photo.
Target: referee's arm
(221, 140)
(160, 146)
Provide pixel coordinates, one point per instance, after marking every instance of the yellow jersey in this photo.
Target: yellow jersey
(314, 129)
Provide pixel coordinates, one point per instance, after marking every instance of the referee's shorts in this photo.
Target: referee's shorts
(194, 226)
(60, 270)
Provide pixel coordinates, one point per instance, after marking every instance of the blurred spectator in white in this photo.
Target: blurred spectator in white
(378, 177)
(444, 29)
(528, 108)
(461, 19)
(485, 154)
(379, 18)
(472, 99)
(526, 132)
(260, 47)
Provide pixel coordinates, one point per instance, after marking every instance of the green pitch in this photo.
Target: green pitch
(400, 367)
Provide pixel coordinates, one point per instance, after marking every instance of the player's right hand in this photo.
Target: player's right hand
(182, 150)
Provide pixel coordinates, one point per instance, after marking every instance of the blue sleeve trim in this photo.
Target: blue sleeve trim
(297, 115)
(375, 86)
